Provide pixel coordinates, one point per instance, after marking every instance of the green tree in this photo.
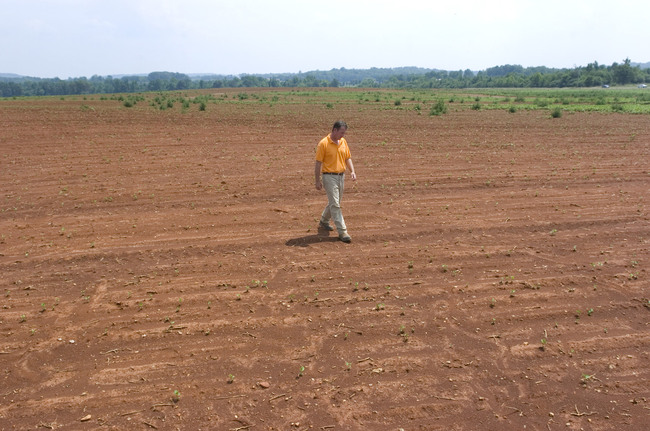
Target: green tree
(623, 73)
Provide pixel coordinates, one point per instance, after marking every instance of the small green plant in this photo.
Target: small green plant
(556, 113)
(231, 378)
(542, 103)
(22, 318)
(379, 307)
(404, 334)
(176, 396)
(438, 108)
(302, 371)
(493, 303)
(586, 378)
(512, 109)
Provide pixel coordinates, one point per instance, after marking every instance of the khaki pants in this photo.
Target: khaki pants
(333, 185)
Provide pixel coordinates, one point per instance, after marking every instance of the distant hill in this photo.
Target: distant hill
(342, 74)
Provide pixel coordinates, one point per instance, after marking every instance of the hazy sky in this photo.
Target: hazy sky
(73, 38)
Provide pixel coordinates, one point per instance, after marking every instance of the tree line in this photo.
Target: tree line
(506, 76)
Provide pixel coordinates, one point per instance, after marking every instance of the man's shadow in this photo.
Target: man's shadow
(305, 241)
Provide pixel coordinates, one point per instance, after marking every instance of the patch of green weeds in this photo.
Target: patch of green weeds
(438, 108)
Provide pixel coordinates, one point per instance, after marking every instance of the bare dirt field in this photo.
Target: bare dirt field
(162, 269)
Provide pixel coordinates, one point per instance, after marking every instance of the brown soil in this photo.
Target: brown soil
(163, 270)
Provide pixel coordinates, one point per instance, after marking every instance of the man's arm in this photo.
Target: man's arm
(317, 169)
(350, 167)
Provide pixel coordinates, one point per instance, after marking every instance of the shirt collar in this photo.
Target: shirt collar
(329, 139)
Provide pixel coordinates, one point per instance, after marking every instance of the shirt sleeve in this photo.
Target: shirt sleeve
(320, 152)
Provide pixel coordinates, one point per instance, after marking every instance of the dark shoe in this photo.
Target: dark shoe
(345, 237)
(325, 226)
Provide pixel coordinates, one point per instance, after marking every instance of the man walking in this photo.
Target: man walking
(332, 160)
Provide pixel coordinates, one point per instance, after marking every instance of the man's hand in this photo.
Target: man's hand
(317, 174)
(350, 166)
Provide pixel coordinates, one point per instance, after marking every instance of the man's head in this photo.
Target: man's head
(338, 130)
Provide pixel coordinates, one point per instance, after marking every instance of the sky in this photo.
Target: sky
(75, 38)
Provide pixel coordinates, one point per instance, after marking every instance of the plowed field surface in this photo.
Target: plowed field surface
(162, 269)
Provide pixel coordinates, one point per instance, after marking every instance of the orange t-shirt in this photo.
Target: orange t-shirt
(332, 156)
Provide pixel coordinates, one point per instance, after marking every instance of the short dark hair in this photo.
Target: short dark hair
(340, 125)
